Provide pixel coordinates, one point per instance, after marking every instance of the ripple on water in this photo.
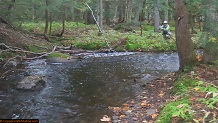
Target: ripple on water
(80, 91)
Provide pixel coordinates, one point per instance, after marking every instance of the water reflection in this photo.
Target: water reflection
(79, 92)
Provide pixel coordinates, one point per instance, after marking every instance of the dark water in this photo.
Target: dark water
(80, 91)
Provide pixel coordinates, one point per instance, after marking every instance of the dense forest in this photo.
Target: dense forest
(34, 29)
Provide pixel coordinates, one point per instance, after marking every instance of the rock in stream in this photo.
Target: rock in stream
(31, 83)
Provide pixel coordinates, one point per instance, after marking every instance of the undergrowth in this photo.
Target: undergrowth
(191, 96)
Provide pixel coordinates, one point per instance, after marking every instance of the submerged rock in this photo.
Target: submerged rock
(31, 83)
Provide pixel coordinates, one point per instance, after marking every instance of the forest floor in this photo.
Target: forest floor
(147, 106)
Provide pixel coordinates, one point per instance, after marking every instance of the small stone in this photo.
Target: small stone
(115, 117)
(151, 111)
(135, 119)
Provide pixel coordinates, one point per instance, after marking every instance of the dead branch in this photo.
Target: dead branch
(3, 74)
(10, 60)
(43, 55)
(17, 49)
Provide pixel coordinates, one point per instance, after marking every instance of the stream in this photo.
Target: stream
(80, 91)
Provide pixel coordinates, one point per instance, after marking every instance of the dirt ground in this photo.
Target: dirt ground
(146, 106)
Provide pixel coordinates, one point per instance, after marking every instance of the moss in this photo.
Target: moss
(33, 49)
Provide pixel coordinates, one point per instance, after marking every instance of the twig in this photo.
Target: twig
(10, 60)
(46, 54)
(3, 74)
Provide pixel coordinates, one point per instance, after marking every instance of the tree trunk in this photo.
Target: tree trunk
(63, 22)
(34, 13)
(46, 18)
(211, 17)
(107, 12)
(100, 14)
(137, 11)
(184, 43)
(166, 13)
(156, 16)
(50, 24)
(128, 10)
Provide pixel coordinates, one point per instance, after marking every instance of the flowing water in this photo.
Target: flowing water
(80, 91)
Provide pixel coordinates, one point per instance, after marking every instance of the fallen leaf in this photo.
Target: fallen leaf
(126, 105)
(106, 119)
(122, 116)
(196, 89)
(200, 119)
(143, 104)
(154, 116)
(161, 94)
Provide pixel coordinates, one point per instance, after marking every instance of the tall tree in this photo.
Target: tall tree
(211, 17)
(156, 16)
(100, 14)
(184, 43)
(166, 12)
(128, 10)
(137, 10)
(46, 17)
(107, 12)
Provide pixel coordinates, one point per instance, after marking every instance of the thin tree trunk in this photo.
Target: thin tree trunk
(107, 12)
(128, 10)
(10, 9)
(115, 12)
(184, 43)
(100, 14)
(138, 10)
(63, 22)
(166, 12)
(50, 24)
(46, 18)
(156, 16)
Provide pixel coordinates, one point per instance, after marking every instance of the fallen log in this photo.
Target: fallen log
(7, 48)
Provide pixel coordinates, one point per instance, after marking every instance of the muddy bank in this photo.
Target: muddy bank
(145, 107)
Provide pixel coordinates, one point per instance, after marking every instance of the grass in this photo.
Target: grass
(86, 37)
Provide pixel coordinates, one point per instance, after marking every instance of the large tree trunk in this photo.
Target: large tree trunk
(184, 43)
(156, 16)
